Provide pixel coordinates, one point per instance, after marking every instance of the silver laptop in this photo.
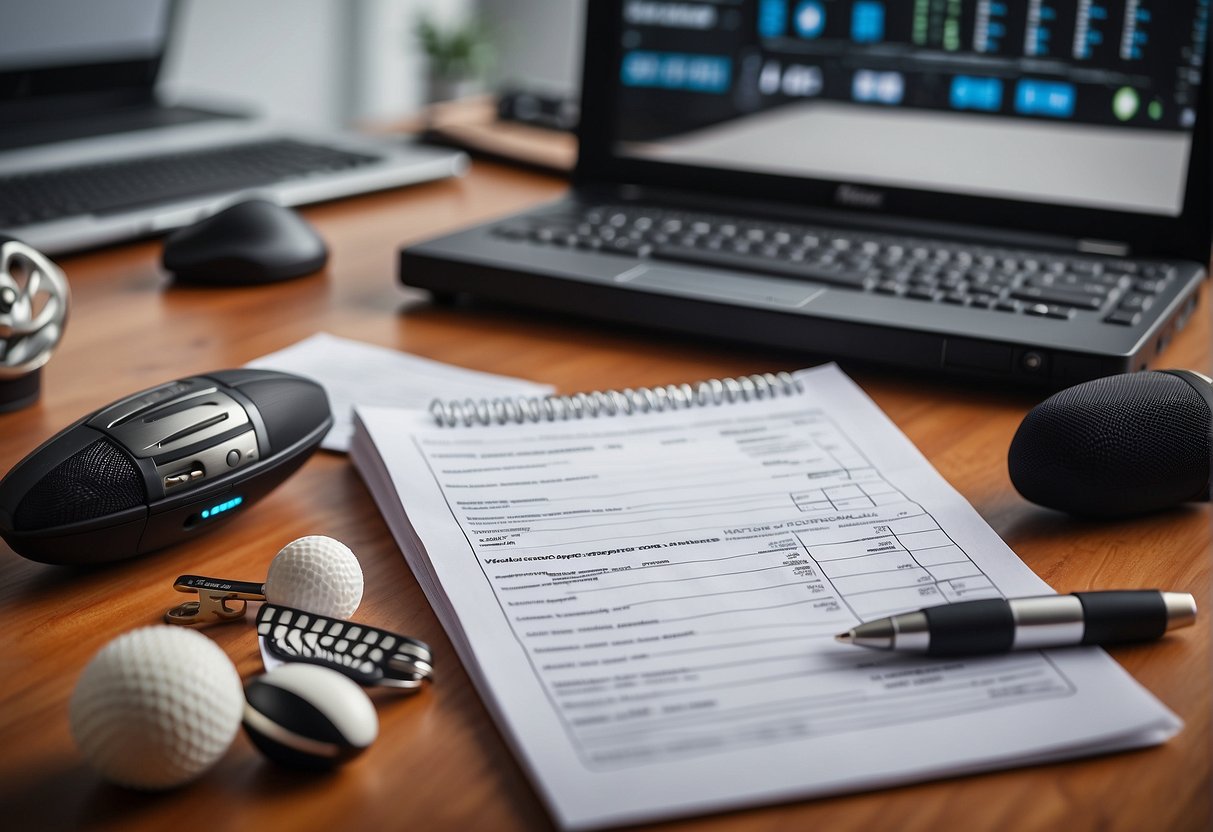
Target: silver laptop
(89, 154)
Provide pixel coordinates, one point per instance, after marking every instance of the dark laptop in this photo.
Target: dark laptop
(91, 153)
(1014, 191)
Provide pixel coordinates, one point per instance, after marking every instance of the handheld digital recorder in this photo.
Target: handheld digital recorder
(161, 466)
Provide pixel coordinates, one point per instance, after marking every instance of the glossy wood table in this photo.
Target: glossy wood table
(440, 763)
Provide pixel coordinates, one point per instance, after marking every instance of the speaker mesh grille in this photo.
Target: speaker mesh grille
(1115, 446)
(96, 481)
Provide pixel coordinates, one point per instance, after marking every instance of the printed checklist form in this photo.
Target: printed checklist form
(647, 603)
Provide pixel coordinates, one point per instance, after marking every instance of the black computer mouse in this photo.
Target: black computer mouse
(251, 242)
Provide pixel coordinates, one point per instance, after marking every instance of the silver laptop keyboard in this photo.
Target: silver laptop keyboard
(106, 187)
(931, 271)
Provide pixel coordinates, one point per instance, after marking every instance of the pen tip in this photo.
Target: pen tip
(845, 638)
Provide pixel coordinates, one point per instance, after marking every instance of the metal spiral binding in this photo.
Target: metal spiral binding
(529, 409)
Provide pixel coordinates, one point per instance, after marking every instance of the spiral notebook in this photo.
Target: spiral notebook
(643, 585)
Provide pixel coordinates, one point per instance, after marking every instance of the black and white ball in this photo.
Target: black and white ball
(307, 716)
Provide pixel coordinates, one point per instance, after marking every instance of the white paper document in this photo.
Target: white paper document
(353, 372)
(647, 603)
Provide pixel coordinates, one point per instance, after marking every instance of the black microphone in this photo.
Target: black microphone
(1118, 446)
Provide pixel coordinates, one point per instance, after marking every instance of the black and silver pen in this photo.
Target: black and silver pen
(996, 625)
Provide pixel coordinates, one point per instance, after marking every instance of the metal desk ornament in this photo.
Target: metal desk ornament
(34, 299)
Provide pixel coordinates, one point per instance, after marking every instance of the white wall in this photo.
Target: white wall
(341, 61)
(389, 77)
(285, 58)
(538, 41)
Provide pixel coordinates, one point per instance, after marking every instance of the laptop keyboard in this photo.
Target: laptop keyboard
(110, 187)
(929, 271)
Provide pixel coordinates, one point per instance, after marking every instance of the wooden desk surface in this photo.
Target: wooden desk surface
(440, 762)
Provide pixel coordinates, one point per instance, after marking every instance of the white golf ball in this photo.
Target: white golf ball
(317, 574)
(156, 707)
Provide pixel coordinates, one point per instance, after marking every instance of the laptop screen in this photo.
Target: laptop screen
(1089, 103)
(53, 48)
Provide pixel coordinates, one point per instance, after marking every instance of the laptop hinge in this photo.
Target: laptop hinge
(1111, 248)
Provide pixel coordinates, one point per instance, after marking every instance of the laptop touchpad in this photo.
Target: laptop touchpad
(720, 287)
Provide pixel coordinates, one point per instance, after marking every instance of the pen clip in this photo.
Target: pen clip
(214, 595)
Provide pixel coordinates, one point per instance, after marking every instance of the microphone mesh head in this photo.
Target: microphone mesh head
(96, 481)
(1115, 446)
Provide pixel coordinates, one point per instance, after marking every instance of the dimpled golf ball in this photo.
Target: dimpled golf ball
(317, 574)
(156, 707)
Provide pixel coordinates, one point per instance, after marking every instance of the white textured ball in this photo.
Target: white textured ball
(156, 707)
(317, 574)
